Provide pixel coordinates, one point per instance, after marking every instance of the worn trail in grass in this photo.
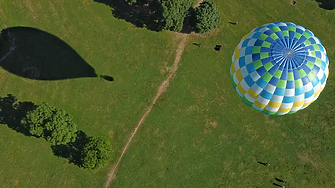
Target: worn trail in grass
(162, 88)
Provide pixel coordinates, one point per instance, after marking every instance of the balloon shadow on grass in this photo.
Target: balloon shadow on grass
(326, 4)
(143, 14)
(12, 112)
(35, 54)
(72, 151)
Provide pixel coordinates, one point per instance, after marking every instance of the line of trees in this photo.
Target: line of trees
(202, 19)
(57, 127)
(173, 15)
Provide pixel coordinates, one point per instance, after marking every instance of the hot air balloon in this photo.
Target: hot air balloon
(279, 68)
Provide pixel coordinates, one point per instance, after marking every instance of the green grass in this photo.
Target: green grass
(134, 57)
(179, 147)
(199, 133)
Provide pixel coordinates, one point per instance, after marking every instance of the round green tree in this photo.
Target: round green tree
(97, 152)
(174, 13)
(206, 17)
(55, 125)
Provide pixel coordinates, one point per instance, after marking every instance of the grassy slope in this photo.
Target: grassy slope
(200, 134)
(134, 57)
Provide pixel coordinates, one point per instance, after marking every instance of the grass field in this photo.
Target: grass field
(199, 133)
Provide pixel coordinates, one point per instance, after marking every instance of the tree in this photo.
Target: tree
(206, 17)
(130, 2)
(174, 13)
(96, 153)
(72, 150)
(55, 125)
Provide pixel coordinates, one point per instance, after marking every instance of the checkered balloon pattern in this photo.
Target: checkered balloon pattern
(279, 68)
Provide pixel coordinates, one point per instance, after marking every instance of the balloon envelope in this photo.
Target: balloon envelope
(279, 68)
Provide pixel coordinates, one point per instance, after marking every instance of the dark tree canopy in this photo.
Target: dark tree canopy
(174, 13)
(72, 150)
(206, 17)
(96, 153)
(55, 125)
(326, 4)
(130, 2)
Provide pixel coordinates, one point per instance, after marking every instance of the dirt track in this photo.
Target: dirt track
(182, 38)
(162, 88)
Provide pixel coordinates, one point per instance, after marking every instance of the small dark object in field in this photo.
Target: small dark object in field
(197, 44)
(108, 78)
(294, 2)
(280, 180)
(218, 47)
(234, 23)
(265, 164)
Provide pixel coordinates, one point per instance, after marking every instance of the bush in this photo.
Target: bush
(174, 13)
(206, 17)
(55, 125)
(96, 153)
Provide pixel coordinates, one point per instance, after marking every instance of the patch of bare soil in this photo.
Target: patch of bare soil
(304, 157)
(214, 124)
(198, 3)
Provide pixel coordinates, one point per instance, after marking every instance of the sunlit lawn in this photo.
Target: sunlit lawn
(199, 133)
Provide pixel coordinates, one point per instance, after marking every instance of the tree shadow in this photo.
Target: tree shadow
(326, 4)
(143, 14)
(188, 22)
(12, 112)
(72, 151)
(35, 54)
(277, 185)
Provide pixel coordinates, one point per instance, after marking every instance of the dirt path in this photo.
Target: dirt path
(198, 3)
(162, 88)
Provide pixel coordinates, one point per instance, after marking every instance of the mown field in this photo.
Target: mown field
(134, 57)
(199, 133)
